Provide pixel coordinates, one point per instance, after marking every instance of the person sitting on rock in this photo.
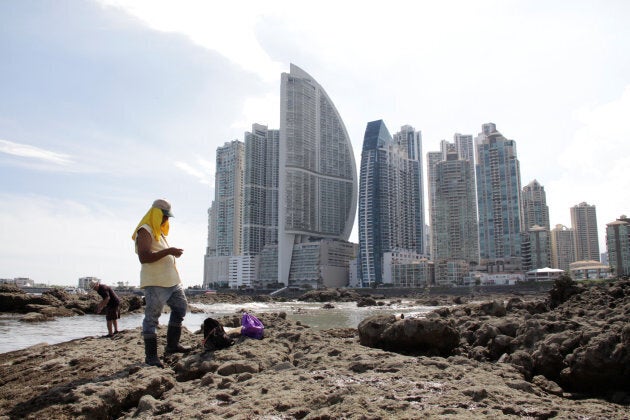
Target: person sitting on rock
(112, 302)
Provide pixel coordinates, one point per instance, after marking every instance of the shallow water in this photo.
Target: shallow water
(16, 335)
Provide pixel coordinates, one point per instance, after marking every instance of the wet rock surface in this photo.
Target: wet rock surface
(578, 337)
(524, 363)
(58, 303)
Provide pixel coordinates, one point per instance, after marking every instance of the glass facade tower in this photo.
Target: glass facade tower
(317, 180)
(390, 199)
(455, 231)
(499, 199)
(228, 202)
(260, 207)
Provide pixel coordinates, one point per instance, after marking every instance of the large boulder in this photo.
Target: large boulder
(427, 336)
(492, 308)
(366, 301)
(563, 288)
(600, 365)
(330, 295)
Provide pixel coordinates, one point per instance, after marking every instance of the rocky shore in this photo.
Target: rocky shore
(57, 303)
(563, 355)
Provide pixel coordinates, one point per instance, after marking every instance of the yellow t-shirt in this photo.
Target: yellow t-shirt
(163, 272)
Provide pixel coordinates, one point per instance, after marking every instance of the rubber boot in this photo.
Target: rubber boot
(173, 333)
(150, 351)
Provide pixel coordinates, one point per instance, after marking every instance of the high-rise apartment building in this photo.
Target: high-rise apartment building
(584, 223)
(499, 200)
(410, 140)
(260, 204)
(466, 151)
(390, 199)
(463, 145)
(534, 203)
(228, 201)
(540, 247)
(432, 159)
(317, 180)
(225, 215)
(618, 245)
(211, 248)
(535, 213)
(562, 247)
(455, 233)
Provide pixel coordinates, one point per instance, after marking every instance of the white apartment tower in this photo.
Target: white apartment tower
(229, 197)
(455, 213)
(584, 223)
(498, 200)
(535, 209)
(432, 159)
(410, 140)
(260, 204)
(317, 179)
(461, 150)
(562, 247)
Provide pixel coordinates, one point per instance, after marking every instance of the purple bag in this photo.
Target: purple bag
(252, 327)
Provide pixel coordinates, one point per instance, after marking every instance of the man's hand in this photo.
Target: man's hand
(145, 255)
(176, 252)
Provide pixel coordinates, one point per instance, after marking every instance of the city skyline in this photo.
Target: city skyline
(108, 105)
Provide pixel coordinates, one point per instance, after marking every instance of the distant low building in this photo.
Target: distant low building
(19, 282)
(544, 274)
(84, 282)
(496, 279)
(585, 270)
(417, 273)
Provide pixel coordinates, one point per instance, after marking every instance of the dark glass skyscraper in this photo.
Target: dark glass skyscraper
(390, 198)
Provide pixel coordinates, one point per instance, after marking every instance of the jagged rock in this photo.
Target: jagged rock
(299, 372)
(330, 295)
(484, 334)
(563, 288)
(493, 308)
(601, 364)
(366, 301)
(547, 385)
(55, 311)
(232, 368)
(34, 317)
(412, 335)
(499, 345)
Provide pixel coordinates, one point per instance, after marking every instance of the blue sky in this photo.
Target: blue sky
(107, 105)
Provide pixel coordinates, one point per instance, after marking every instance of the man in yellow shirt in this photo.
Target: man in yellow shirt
(160, 280)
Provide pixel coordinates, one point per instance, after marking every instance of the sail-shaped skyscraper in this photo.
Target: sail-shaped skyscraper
(317, 179)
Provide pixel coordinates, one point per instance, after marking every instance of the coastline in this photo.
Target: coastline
(298, 372)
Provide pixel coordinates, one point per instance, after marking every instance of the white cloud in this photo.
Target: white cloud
(228, 28)
(35, 153)
(594, 164)
(203, 170)
(262, 110)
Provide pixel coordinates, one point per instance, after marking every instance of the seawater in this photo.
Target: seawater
(16, 335)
